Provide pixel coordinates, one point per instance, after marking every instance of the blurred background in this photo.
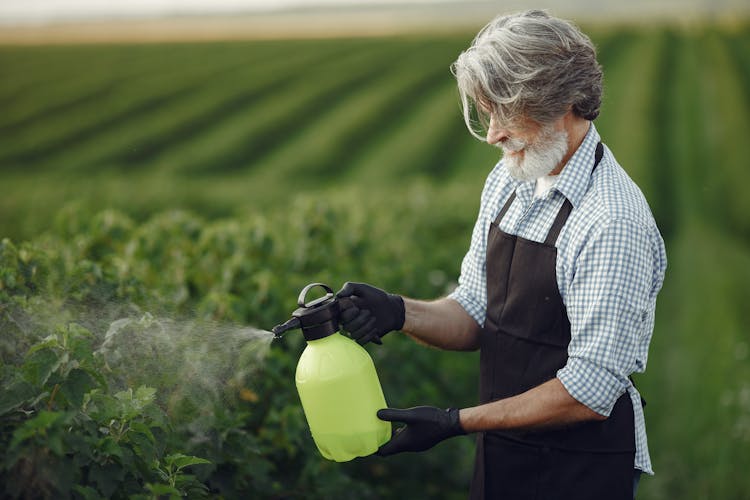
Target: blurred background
(300, 141)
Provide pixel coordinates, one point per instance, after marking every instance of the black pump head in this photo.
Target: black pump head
(318, 318)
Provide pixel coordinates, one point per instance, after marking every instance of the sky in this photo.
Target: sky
(48, 10)
(45, 11)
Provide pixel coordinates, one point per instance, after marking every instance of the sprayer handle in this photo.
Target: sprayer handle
(303, 293)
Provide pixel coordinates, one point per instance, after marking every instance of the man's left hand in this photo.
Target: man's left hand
(425, 427)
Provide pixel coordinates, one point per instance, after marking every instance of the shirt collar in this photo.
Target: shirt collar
(573, 181)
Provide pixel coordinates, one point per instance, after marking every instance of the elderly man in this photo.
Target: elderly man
(558, 287)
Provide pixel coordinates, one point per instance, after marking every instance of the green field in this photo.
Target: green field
(214, 180)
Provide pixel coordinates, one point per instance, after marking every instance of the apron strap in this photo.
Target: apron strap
(598, 155)
(562, 215)
(505, 208)
(560, 220)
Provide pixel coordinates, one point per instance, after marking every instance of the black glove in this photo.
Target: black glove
(369, 313)
(425, 427)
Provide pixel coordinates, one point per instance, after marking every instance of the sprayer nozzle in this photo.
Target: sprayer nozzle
(293, 323)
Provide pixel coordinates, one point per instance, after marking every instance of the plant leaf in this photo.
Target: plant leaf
(15, 395)
(76, 385)
(39, 365)
(179, 460)
(35, 426)
(162, 489)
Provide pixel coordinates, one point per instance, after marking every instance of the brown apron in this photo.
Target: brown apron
(523, 344)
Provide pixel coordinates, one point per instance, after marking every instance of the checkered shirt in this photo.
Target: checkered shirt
(610, 266)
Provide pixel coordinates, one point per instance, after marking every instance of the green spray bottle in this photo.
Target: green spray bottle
(336, 381)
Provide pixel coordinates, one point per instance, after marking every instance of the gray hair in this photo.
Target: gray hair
(528, 65)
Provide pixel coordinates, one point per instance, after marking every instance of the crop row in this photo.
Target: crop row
(71, 79)
(210, 121)
(79, 132)
(135, 117)
(242, 140)
(132, 141)
(317, 113)
(327, 112)
(42, 81)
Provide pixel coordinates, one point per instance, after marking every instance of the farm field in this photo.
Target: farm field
(211, 181)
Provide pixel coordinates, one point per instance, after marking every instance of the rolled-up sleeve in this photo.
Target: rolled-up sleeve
(471, 291)
(610, 305)
(469, 303)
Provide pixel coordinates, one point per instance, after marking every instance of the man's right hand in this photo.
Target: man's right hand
(369, 313)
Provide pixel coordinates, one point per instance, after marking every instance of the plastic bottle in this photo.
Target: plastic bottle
(337, 383)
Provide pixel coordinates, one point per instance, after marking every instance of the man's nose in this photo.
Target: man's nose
(496, 133)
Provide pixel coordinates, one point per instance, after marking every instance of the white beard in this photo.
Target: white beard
(539, 158)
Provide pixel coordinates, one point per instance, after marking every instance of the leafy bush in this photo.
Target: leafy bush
(150, 384)
(66, 434)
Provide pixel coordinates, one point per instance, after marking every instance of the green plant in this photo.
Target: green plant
(64, 432)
